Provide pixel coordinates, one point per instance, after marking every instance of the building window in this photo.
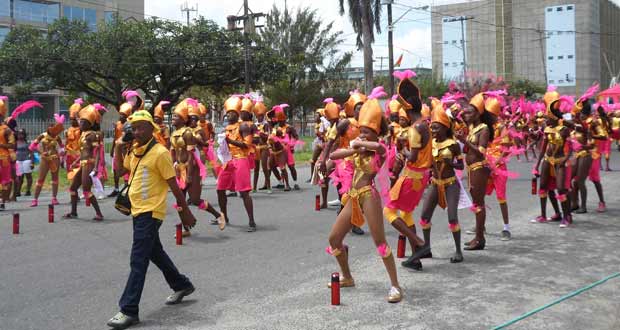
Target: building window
(109, 16)
(570, 57)
(35, 11)
(4, 31)
(560, 81)
(560, 57)
(569, 8)
(552, 81)
(445, 42)
(559, 9)
(90, 16)
(446, 64)
(83, 14)
(462, 63)
(549, 9)
(550, 57)
(5, 8)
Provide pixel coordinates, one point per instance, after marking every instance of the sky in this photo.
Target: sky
(412, 34)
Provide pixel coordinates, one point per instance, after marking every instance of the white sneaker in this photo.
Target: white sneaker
(335, 202)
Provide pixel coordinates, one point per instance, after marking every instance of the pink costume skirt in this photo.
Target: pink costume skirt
(235, 176)
(407, 192)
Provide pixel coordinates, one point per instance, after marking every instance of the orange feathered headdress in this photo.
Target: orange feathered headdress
(193, 109)
(58, 127)
(125, 109)
(159, 109)
(355, 98)
(393, 105)
(478, 102)
(551, 95)
(438, 114)
(90, 114)
(4, 105)
(408, 92)
(493, 106)
(247, 104)
(74, 109)
(233, 103)
(260, 108)
(331, 109)
(278, 110)
(182, 110)
(371, 113)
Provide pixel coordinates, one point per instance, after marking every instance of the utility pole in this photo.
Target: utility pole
(186, 9)
(463, 46)
(390, 46)
(248, 19)
(381, 58)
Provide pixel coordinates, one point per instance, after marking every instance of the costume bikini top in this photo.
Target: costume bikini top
(49, 143)
(233, 132)
(472, 137)
(555, 139)
(442, 151)
(364, 164)
(85, 136)
(177, 139)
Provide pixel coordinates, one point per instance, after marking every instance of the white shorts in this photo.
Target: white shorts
(23, 167)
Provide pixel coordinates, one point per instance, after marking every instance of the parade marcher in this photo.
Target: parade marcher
(162, 135)
(152, 175)
(72, 137)
(445, 188)
(49, 145)
(89, 162)
(278, 146)
(321, 125)
(261, 135)
(198, 170)
(24, 163)
(498, 153)
(7, 144)
(476, 141)
(124, 112)
(289, 138)
(615, 124)
(235, 174)
(598, 132)
(209, 136)
(553, 165)
(323, 166)
(245, 116)
(363, 199)
(407, 191)
(393, 108)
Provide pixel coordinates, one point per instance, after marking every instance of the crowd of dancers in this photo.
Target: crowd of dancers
(380, 159)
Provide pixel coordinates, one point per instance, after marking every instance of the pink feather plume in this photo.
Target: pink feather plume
(402, 75)
(163, 103)
(25, 107)
(100, 107)
(130, 93)
(78, 101)
(59, 119)
(377, 93)
(4, 98)
(496, 93)
(551, 88)
(328, 100)
(589, 93)
(192, 102)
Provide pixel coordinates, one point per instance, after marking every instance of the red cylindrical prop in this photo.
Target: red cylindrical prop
(179, 234)
(317, 203)
(15, 223)
(402, 243)
(50, 213)
(335, 289)
(534, 186)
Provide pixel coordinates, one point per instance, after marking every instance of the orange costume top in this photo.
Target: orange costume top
(251, 146)
(502, 139)
(414, 170)
(5, 153)
(118, 130)
(72, 143)
(233, 132)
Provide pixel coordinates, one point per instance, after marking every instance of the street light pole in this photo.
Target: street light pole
(390, 46)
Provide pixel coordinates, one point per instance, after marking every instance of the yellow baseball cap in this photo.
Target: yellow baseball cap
(143, 115)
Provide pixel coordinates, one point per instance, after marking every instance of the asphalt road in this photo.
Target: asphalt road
(70, 274)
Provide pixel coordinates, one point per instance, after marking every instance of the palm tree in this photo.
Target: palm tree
(365, 16)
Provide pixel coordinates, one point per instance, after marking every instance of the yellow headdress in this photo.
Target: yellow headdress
(260, 108)
(247, 105)
(125, 109)
(182, 110)
(438, 114)
(233, 103)
(493, 106)
(159, 109)
(89, 113)
(74, 109)
(426, 111)
(354, 99)
(371, 113)
(394, 106)
(143, 115)
(478, 102)
(331, 109)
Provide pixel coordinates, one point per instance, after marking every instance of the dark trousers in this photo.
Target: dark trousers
(147, 247)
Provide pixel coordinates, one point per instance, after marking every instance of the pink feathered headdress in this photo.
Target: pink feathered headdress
(24, 107)
(402, 75)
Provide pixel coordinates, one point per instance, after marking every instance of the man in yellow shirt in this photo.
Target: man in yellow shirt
(151, 175)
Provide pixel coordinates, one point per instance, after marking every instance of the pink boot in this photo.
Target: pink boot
(34, 203)
(54, 201)
(601, 207)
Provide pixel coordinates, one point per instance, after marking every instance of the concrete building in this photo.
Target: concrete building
(567, 43)
(40, 13)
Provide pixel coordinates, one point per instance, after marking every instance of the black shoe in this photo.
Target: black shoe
(28, 193)
(357, 230)
(122, 321)
(178, 296)
(581, 211)
(506, 235)
(279, 186)
(422, 252)
(428, 255)
(457, 258)
(296, 187)
(18, 194)
(2, 207)
(309, 180)
(251, 228)
(113, 193)
(411, 263)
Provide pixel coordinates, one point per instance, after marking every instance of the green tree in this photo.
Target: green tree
(309, 50)
(365, 16)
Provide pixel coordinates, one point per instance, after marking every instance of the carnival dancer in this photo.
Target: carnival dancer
(235, 174)
(162, 135)
(124, 112)
(475, 143)
(323, 166)
(320, 129)
(288, 136)
(553, 165)
(346, 131)
(363, 199)
(7, 144)
(72, 139)
(498, 153)
(407, 191)
(209, 135)
(278, 145)
(598, 132)
(89, 162)
(445, 188)
(261, 135)
(394, 128)
(247, 111)
(24, 163)
(49, 146)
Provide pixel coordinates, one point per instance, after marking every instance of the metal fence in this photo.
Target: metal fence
(34, 127)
